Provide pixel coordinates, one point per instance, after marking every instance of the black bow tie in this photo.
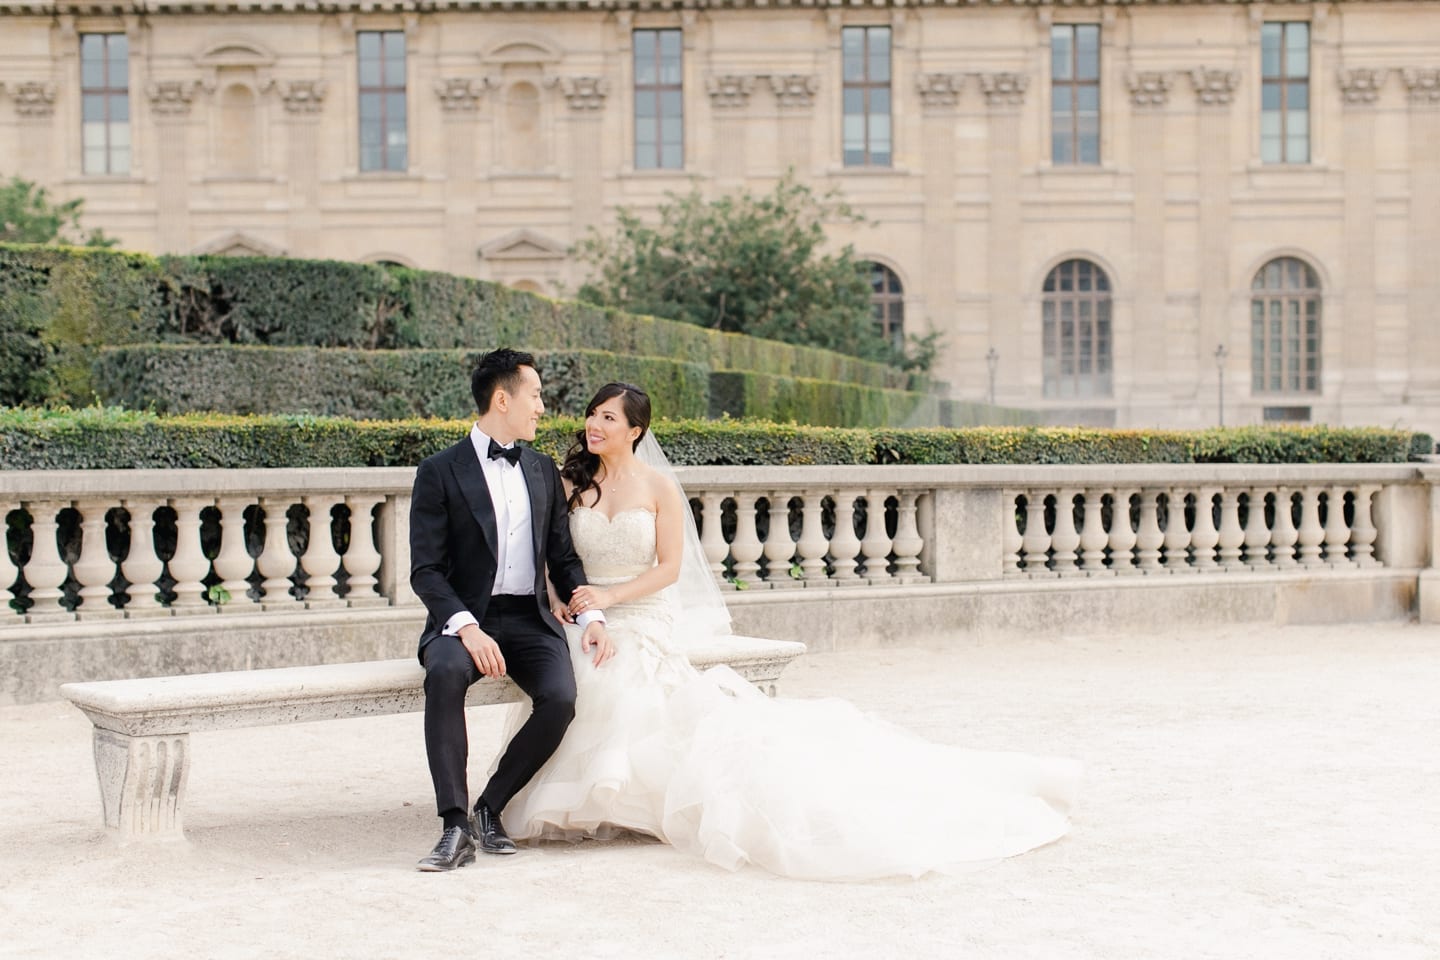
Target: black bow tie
(508, 453)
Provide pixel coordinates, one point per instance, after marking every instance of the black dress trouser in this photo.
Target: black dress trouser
(539, 663)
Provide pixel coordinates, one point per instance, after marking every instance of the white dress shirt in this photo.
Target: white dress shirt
(515, 560)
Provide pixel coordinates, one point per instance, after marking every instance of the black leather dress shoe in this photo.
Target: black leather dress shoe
(489, 834)
(455, 849)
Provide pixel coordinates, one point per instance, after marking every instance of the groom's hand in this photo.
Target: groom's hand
(597, 636)
(483, 650)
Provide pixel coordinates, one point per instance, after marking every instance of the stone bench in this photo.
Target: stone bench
(143, 726)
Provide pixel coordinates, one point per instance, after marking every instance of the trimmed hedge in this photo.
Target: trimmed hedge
(96, 437)
(367, 384)
(738, 393)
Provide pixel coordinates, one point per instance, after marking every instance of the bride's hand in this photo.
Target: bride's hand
(597, 636)
(561, 612)
(588, 598)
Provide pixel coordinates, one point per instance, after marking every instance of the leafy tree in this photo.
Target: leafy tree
(28, 215)
(743, 263)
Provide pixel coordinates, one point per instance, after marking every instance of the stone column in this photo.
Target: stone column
(939, 95)
(460, 104)
(1191, 359)
(304, 101)
(1424, 240)
(1358, 392)
(1015, 335)
(1147, 373)
(170, 102)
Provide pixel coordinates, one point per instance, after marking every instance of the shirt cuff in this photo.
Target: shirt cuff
(462, 619)
(588, 617)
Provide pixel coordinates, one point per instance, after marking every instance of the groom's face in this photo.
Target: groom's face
(523, 406)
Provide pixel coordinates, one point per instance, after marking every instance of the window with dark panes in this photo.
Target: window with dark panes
(383, 137)
(1075, 327)
(866, 93)
(887, 304)
(1285, 328)
(1285, 93)
(105, 102)
(659, 100)
(1075, 93)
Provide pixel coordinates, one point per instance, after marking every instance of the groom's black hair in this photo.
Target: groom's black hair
(497, 370)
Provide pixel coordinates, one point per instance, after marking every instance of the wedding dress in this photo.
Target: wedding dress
(804, 788)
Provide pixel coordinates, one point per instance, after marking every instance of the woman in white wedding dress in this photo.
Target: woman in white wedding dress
(707, 763)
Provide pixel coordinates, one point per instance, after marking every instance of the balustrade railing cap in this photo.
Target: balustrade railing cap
(1006, 475)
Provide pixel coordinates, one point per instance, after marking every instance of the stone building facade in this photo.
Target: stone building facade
(1103, 208)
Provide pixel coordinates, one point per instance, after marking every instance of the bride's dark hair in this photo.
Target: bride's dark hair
(580, 464)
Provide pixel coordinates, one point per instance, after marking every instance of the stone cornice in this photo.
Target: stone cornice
(251, 7)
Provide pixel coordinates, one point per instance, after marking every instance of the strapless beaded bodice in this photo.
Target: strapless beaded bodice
(613, 548)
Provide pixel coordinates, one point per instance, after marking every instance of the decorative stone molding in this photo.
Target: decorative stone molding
(729, 90)
(795, 89)
(1149, 88)
(239, 244)
(1423, 84)
(1361, 85)
(584, 93)
(301, 96)
(171, 97)
(523, 245)
(1214, 87)
(1004, 89)
(939, 89)
(461, 93)
(34, 98)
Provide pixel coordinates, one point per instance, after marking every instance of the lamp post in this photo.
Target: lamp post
(992, 360)
(1220, 354)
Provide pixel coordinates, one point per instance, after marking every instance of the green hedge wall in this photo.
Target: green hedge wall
(98, 437)
(739, 393)
(63, 303)
(367, 384)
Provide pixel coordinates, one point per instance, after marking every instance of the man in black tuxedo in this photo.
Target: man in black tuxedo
(486, 520)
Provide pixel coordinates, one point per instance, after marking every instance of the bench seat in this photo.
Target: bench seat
(142, 726)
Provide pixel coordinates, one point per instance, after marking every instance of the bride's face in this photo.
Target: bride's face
(607, 430)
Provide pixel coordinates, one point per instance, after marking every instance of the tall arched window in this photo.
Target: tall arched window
(887, 304)
(1285, 328)
(1076, 331)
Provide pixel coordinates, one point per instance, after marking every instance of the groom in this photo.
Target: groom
(487, 519)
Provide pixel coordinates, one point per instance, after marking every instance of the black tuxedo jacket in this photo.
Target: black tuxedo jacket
(454, 540)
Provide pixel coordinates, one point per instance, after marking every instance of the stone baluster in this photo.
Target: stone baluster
(746, 549)
(1283, 533)
(1149, 538)
(1362, 528)
(276, 562)
(779, 546)
(94, 569)
(1257, 532)
(9, 572)
(712, 537)
(908, 542)
(844, 545)
(1011, 541)
(1337, 531)
(1311, 534)
(875, 548)
(142, 565)
(46, 572)
(813, 545)
(1064, 540)
(1122, 536)
(233, 563)
(1177, 537)
(320, 561)
(1036, 541)
(362, 558)
(1231, 535)
(1204, 536)
(1093, 538)
(189, 565)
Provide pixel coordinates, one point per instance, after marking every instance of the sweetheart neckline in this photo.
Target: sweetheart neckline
(618, 515)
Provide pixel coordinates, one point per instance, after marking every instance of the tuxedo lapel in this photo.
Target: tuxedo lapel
(471, 480)
(539, 504)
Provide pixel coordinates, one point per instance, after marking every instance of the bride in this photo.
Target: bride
(707, 763)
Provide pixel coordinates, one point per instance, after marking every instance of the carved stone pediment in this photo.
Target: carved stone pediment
(1149, 88)
(1214, 87)
(730, 90)
(1005, 89)
(523, 245)
(238, 244)
(235, 52)
(939, 89)
(795, 89)
(522, 47)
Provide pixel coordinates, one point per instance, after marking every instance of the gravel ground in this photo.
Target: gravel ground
(1256, 792)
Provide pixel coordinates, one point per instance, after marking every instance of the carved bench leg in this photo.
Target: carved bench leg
(142, 783)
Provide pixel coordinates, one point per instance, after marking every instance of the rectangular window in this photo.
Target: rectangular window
(866, 94)
(105, 102)
(1075, 93)
(383, 141)
(659, 101)
(1285, 93)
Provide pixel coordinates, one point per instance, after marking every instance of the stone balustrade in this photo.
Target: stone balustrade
(108, 545)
